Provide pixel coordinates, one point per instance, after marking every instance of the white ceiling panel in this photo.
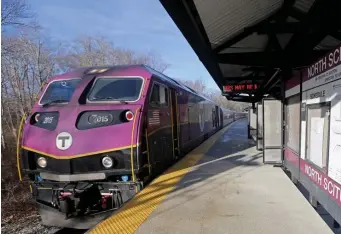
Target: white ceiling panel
(224, 19)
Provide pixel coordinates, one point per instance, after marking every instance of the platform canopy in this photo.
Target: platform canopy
(256, 41)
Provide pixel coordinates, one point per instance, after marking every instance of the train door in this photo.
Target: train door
(190, 115)
(175, 124)
(159, 128)
(221, 118)
(217, 116)
(213, 117)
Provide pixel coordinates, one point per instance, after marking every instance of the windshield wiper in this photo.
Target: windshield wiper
(108, 98)
(54, 102)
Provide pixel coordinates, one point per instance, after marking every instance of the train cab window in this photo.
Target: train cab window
(159, 95)
(59, 91)
(155, 96)
(163, 95)
(116, 89)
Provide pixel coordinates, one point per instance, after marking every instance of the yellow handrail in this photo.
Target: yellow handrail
(172, 125)
(147, 146)
(18, 145)
(131, 148)
(178, 122)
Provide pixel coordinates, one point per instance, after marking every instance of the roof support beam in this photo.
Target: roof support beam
(273, 44)
(297, 14)
(244, 78)
(246, 32)
(241, 98)
(270, 59)
(255, 69)
(264, 88)
(336, 35)
(274, 28)
(318, 23)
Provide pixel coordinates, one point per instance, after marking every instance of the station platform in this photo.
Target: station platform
(222, 186)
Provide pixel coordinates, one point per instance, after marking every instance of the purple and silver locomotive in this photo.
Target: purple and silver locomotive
(97, 135)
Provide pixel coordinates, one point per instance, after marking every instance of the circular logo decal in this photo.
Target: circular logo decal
(64, 140)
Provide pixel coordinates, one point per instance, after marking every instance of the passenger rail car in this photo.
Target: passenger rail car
(97, 135)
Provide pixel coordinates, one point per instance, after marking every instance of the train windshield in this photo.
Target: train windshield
(116, 89)
(59, 91)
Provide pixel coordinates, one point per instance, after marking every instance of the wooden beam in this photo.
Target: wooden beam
(243, 78)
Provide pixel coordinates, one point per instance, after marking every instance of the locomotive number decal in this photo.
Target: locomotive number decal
(100, 118)
(48, 120)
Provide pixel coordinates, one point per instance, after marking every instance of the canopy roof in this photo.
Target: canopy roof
(256, 40)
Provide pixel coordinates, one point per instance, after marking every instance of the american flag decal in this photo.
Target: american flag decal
(154, 118)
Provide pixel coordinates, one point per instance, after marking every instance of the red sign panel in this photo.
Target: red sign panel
(240, 88)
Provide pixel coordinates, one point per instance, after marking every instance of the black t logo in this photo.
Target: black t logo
(63, 139)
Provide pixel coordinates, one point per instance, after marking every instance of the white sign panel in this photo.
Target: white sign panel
(316, 139)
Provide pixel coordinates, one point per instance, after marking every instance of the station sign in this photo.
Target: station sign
(240, 88)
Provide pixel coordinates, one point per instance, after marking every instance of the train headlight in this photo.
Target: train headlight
(107, 162)
(129, 115)
(42, 162)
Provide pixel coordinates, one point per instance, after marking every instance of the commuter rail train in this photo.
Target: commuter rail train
(96, 136)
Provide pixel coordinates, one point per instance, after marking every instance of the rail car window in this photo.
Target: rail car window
(59, 90)
(116, 89)
(318, 134)
(292, 123)
(159, 95)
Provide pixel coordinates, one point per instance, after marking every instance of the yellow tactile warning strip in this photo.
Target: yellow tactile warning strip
(137, 210)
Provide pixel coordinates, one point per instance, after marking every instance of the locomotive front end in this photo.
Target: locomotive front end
(80, 145)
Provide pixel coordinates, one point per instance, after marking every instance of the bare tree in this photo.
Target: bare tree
(16, 13)
(23, 69)
(98, 51)
(197, 85)
(214, 95)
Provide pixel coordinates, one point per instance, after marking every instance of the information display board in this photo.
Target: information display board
(240, 88)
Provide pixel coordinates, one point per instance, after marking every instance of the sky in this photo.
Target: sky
(141, 25)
